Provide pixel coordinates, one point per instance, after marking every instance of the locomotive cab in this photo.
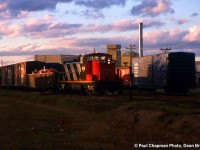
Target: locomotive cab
(100, 67)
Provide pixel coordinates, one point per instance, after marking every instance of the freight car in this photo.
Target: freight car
(15, 75)
(173, 72)
(45, 79)
(31, 75)
(96, 72)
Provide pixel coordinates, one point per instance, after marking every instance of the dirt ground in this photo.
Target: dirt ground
(33, 121)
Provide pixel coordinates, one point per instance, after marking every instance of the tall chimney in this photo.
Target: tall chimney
(140, 39)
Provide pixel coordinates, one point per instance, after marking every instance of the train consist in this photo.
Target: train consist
(97, 72)
(31, 75)
(173, 72)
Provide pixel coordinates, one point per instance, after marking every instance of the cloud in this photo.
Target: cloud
(179, 21)
(124, 25)
(88, 13)
(45, 28)
(12, 9)
(194, 14)
(92, 13)
(10, 30)
(152, 8)
(193, 34)
(15, 59)
(182, 21)
(153, 41)
(100, 4)
(63, 46)
(160, 38)
(15, 7)
(179, 40)
(3, 6)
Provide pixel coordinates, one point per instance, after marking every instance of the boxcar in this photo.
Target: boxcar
(7, 76)
(24, 68)
(26, 75)
(173, 72)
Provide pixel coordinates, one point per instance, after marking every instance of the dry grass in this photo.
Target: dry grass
(31, 121)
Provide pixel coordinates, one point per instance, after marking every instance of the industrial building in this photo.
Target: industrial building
(122, 59)
(115, 51)
(56, 58)
(198, 72)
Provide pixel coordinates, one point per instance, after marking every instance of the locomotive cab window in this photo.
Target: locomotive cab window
(103, 58)
(89, 58)
(96, 57)
(99, 56)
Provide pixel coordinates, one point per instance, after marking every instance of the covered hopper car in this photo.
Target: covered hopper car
(173, 72)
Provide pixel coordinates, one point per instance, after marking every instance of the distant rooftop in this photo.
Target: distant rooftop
(113, 46)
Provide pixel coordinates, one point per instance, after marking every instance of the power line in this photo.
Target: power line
(176, 46)
(186, 44)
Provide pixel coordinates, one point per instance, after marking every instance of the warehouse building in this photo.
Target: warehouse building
(115, 51)
(61, 59)
(122, 59)
(198, 72)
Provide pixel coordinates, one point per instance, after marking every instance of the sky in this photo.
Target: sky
(34, 27)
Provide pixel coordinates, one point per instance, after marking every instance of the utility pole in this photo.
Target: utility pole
(1, 63)
(3, 77)
(131, 47)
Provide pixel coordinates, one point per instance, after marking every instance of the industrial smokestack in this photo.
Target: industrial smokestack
(140, 39)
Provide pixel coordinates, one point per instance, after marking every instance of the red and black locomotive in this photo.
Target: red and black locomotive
(96, 72)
